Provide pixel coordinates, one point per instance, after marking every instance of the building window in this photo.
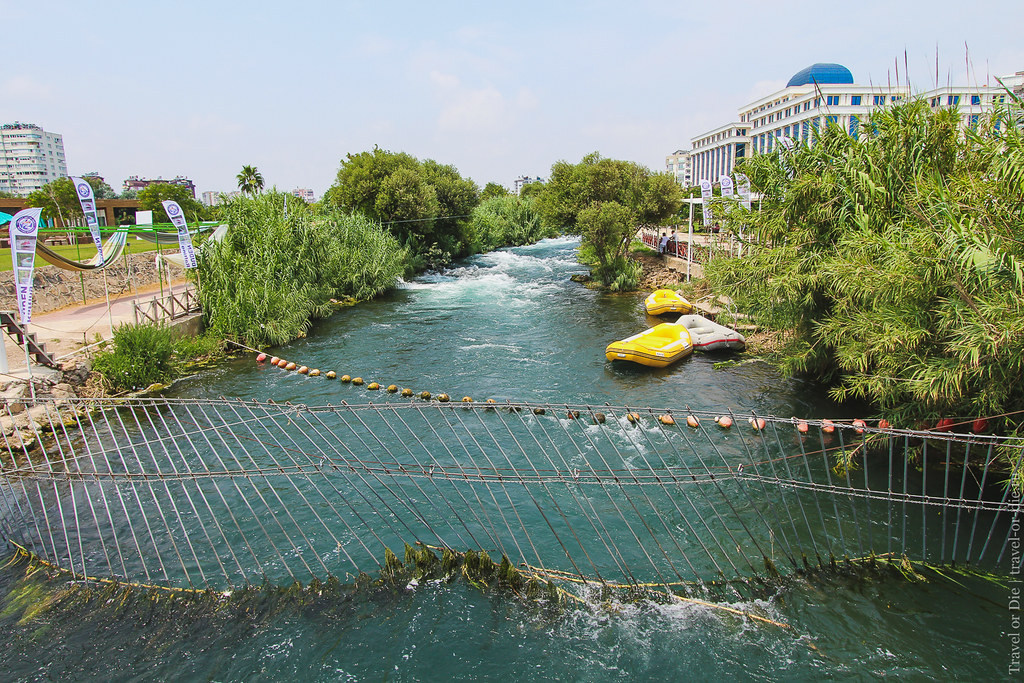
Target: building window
(832, 119)
(855, 126)
(974, 120)
(975, 99)
(832, 100)
(953, 100)
(817, 102)
(855, 100)
(879, 100)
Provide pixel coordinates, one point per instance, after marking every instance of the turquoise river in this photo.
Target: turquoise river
(512, 325)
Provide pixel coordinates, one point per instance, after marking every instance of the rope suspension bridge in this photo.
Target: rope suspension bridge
(222, 494)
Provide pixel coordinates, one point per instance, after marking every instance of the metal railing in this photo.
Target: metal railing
(171, 306)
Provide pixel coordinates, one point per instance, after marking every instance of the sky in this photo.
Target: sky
(498, 90)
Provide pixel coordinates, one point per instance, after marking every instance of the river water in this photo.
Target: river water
(511, 325)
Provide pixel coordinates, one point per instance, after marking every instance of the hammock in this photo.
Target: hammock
(111, 251)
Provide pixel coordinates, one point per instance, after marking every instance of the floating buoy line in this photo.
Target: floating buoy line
(724, 422)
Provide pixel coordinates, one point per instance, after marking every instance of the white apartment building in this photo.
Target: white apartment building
(678, 164)
(29, 158)
(815, 96)
(305, 194)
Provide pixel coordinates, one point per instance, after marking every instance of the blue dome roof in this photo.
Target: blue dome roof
(822, 73)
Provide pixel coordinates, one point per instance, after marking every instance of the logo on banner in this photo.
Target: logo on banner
(173, 210)
(84, 190)
(26, 225)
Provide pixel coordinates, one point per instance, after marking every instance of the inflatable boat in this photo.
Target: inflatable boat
(657, 347)
(708, 335)
(663, 301)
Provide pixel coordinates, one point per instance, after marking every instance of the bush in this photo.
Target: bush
(141, 356)
(506, 221)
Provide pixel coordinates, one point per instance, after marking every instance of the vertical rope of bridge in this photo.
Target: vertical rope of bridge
(21, 479)
(828, 477)
(847, 464)
(768, 500)
(817, 503)
(714, 479)
(758, 437)
(547, 491)
(270, 433)
(924, 497)
(253, 487)
(960, 498)
(114, 439)
(204, 433)
(184, 482)
(945, 496)
(165, 456)
(989, 459)
(435, 464)
(867, 487)
(43, 507)
(682, 515)
(64, 525)
(448, 411)
(796, 492)
(137, 461)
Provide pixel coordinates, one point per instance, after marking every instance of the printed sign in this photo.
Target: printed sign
(88, 202)
(24, 230)
(705, 195)
(174, 212)
(743, 189)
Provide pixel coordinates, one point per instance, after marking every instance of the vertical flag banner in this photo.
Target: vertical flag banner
(88, 202)
(743, 188)
(24, 230)
(726, 183)
(705, 195)
(184, 241)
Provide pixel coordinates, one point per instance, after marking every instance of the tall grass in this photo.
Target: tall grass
(505, 221)
(273, 274)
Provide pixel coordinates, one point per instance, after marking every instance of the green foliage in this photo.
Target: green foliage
(58, 200)
(250, 180)
(529, 190)
(151, 196)
(605, 201)
(493, 190)
(271, 275)
(425, 205)
(141, 356)
(505, 220)
(895, 261)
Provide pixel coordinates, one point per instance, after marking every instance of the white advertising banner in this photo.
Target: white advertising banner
(705, 195)
(88, 201)
(174, 212)
(743, 189)
(24, 231)
(726, 183)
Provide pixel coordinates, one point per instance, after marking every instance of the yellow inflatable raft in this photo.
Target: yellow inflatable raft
(657, 347)
(663, 301)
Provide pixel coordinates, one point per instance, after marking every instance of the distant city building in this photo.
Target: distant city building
(815, 96)
(678, 164)
(211, 198)
(525, 180)
(135, 183)
(30, 157)
(305, 194)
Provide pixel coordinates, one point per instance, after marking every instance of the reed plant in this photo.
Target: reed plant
(506, 221)
(275, 272)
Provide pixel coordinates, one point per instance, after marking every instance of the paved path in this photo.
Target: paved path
(65, 330)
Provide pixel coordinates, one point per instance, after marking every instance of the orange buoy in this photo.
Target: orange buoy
(304, 370)
(883, 424)
(260, 358)
(331, 374)
(723, 421)
(346, 378)
(443, 398)
(392, 389)
(290, 366)
(538, 411)
(572, 414)
(357, 380)
(979, 426)
(633, 417)
(425, 395)
(407, 392)
(828, 426)
(314, 373)
(945, 425)
(757, 423)
(859, 425)
(692, 421)
(802, 426)
(273, 361)
(373, 386)
(467, 399)
(599, 418)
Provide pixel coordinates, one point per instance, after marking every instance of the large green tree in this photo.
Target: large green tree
(58, 200)
(572, 201)
(151, 196)
(426, 205)
(893, 260)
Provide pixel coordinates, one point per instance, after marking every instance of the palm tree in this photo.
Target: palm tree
(250, 180)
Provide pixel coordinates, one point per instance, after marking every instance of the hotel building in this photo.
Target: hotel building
(30, 157)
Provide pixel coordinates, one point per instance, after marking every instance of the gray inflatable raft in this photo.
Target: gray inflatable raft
(707, 335)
